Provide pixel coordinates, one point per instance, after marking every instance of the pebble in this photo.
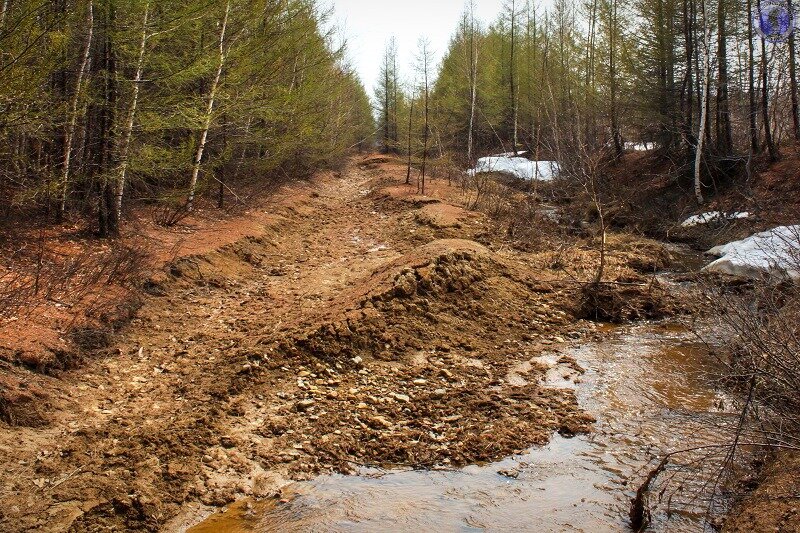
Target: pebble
(305, 405)
(420, 381)
(402, 398)
(380, 421)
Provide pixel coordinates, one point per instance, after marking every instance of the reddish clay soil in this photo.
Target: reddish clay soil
(350, 322)
(774, 505)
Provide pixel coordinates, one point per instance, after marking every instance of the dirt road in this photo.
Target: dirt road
(364, 325)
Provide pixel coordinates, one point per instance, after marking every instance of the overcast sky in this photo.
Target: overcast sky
(367, 26)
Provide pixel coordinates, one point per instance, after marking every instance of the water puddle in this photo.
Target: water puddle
(645, 385)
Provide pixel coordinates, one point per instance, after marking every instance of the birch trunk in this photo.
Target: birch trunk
(473, 71)
(69, 137)
(126, 140)
(698, 158)
(754, 144)
(201, 146)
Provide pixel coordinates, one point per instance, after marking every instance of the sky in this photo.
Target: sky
(367, 26)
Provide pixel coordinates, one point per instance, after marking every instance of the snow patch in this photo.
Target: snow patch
(775, 252)
(713, 216)
(518, 167)
(640, 147)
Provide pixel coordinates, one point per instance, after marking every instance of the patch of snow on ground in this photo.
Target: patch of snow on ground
(713, 216)
(640, 147)
(774, 252)
(517, 166)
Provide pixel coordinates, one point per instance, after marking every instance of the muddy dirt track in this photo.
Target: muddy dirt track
(365, 325)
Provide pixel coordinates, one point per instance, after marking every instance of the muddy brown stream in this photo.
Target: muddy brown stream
(648, 388)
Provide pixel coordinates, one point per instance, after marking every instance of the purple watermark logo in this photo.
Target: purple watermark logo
(774, 21)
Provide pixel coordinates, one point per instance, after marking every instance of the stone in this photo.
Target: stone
(379, 422)
(305, 405)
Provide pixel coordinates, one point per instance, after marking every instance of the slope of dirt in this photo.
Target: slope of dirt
(774, 505)
(653, 195)
(358, 325)
(64, 293)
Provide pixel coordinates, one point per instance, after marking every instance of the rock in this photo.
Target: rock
(439, 394)
(379, 422)
(511, 474)
(304, 405)
(402, 398)
(420, 381)
(358, 361)
(559, 339)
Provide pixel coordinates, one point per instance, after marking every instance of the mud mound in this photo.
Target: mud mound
(410, 367)
(399, 199)
(411, 302)
(218, 268)
(442, 216)
(374, 162)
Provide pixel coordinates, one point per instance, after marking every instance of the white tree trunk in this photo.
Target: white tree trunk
(698, 159)
(73, 119)
(473, 82)
(201, 146)
(128, 134)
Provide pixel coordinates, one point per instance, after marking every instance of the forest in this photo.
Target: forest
(712, 84)
(109, 102)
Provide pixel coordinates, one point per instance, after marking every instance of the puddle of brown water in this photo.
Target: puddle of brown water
(647, 388)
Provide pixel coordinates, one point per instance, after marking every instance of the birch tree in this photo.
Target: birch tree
(701, 136)
(209, 115)
(131, 117)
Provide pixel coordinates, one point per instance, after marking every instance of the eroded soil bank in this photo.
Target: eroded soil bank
(364, 325)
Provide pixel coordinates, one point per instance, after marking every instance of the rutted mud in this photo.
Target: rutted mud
(364, 326)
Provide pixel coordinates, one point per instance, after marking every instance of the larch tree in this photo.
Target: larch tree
(425, 72)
